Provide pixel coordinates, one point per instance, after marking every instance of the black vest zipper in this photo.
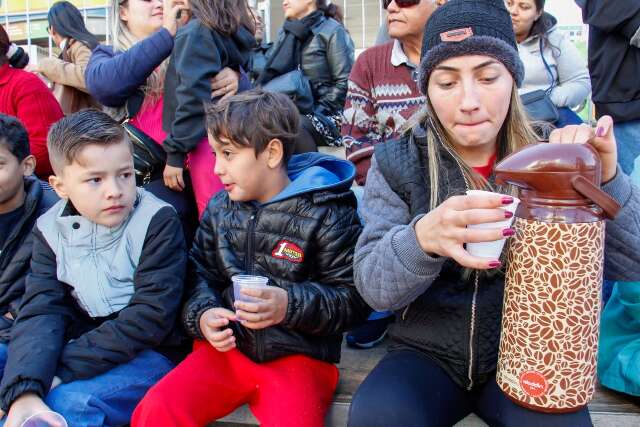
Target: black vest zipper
(258, 334)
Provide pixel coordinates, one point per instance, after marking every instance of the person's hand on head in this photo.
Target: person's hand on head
(170, 19)
(601, 138)
(214, 325)
(24, 407)
(443, 231)
(268, 308)
(173, 178)
(225, 83)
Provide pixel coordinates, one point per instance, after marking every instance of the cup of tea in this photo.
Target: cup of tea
(45, 419)
(491, 250)
(244, 281)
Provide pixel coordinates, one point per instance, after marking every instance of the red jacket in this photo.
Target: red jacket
(25, 96)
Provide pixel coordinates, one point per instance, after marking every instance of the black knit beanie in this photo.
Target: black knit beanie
(469, 27)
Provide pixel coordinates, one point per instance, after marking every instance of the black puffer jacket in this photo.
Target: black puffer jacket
(327, 61)
(15, 256)
(319, 225)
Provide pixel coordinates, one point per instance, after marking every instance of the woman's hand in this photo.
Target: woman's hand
(173, 178)
(601, 138)
(225, 83)
(443, 231)
(32, 68)
(170, 19)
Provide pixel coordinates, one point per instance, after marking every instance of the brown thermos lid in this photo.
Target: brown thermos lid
(557, 173)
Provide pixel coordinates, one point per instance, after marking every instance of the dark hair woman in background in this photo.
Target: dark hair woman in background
(313, 40)
(68, 31)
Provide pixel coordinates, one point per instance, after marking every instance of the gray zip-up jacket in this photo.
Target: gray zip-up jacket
(571, 81)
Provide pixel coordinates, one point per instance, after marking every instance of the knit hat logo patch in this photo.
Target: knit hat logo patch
(456, 35)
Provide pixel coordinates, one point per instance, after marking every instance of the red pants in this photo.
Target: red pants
(291, 391)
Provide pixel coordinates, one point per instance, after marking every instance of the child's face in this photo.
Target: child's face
(100, 183)
(12, 173)
(245, 176)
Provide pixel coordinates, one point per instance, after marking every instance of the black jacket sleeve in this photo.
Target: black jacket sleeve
(329, 304)
(613, 16)
(205, 281)
(340, 58)
(151, 313)
(197, 61)
(39, 331)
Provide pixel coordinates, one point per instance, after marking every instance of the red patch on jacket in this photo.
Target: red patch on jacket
(289, 251)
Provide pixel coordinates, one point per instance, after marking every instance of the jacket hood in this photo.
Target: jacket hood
(312, 172)
(545, 24)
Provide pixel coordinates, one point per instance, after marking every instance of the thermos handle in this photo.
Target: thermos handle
(589, 190)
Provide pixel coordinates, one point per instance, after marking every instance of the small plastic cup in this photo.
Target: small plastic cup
(45, 419)
(247, 282)
(491, 250)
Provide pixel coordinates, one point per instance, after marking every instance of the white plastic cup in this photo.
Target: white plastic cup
(45, 419)
(491, 250)
(243, 281)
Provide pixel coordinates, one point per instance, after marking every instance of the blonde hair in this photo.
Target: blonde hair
(123, 39)
(516, 132)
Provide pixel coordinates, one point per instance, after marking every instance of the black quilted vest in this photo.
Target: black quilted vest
(440, 322)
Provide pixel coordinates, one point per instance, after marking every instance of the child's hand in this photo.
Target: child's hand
(212, 323)
(23, 407)
(269, 309)
(173, 178)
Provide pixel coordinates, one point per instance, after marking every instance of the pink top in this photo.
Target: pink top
(149, 120)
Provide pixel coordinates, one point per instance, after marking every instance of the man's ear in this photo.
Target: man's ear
(57, 184)
(28, 165)
(275, 153)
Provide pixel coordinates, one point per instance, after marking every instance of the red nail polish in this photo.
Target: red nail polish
(495, 264)
(507, 200)
(508, 214)
(508, 232)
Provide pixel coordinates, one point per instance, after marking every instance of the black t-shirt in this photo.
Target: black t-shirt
(7, 223)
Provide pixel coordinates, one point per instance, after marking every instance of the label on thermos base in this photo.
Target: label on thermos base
(533, 383)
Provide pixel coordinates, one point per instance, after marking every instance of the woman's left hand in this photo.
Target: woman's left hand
(225, 83)
(173, 178)
(601, 138)
(32, 68)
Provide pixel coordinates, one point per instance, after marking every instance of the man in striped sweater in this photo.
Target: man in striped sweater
(382, 91)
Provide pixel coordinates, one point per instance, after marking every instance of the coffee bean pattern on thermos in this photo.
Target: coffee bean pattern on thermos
(551, 315)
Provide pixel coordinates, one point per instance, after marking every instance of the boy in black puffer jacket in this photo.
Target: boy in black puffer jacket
(298, 227)
(23, 198)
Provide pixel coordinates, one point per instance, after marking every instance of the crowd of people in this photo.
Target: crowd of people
(154, 171)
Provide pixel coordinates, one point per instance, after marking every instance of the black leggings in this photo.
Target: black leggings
(408, 388)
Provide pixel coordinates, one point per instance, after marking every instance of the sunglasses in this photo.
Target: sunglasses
(400, 3)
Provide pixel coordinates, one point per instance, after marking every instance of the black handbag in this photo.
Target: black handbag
(296, 86)
(538, 103)
(149, 159)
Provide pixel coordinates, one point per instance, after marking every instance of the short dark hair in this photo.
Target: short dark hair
(14, 137)
(74, 132)
(253, 118)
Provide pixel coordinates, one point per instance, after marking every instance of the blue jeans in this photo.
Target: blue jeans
(408, 388)
(110, 398)
(628, 141)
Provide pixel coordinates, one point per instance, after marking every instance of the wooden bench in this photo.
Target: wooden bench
(608, 408)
